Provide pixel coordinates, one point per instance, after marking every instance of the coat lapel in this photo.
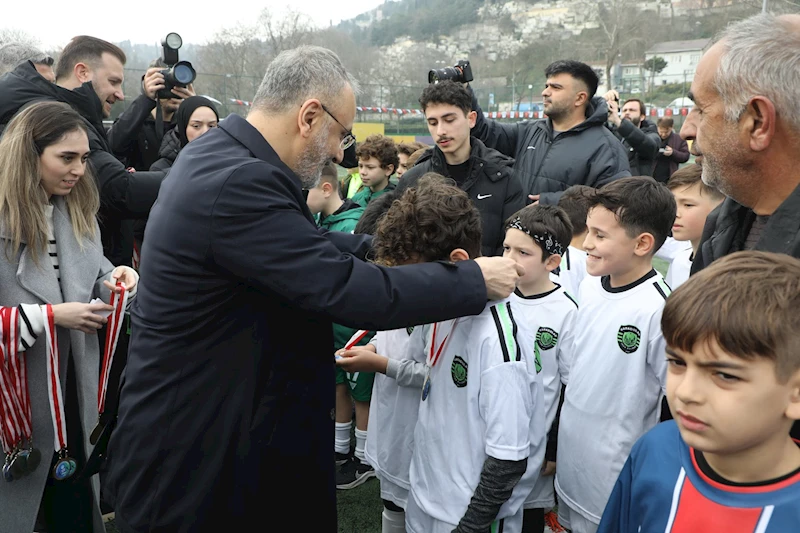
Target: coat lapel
(39, 280)
(78, 265)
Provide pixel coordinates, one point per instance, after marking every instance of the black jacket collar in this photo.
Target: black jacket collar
(496, 166)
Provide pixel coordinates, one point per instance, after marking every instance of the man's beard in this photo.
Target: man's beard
(712, 175)
(311, 162)
(636, 121)
(556, 111)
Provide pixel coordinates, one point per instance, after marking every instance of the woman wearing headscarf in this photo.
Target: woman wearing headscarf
(194, 117)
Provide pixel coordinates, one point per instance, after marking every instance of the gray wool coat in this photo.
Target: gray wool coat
(23, 282)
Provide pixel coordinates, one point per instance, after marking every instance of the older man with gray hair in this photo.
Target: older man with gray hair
(14, 53)
(225, 417)
(746, 126)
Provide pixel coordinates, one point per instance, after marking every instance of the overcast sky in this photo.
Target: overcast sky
(54, 22)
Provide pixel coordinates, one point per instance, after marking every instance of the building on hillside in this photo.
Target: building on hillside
(681, 57)
(627, 77)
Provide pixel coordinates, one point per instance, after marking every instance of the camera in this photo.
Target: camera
(179, 73)
(461, 73)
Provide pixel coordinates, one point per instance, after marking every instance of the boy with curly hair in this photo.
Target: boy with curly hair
(377, 161)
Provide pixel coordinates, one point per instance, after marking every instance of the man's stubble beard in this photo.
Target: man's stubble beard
(311, 162)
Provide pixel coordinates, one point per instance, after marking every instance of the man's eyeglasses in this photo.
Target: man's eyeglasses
(349, 139)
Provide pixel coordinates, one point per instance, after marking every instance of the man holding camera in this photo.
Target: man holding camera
(639, 136)
(136, 135)
(672, 153)
(569, 147)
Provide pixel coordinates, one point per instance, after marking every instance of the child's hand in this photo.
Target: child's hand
(548, 468)
(361, 359)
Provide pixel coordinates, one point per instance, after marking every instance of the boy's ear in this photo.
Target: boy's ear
(459, 254)
(389, 170)
(552, 262)
(645, 243)
(793, 408)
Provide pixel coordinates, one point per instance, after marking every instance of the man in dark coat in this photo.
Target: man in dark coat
(672, 153)
(89, 78)
(754, 157)
(571, 146)
(225, 411)
(486, 175)
(637, 134)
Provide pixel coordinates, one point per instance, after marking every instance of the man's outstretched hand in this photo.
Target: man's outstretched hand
(500, 275)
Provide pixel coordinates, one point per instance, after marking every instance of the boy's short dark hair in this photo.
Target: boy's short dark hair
(381, 148)
(642, 110)
(329, 175)
(576, 69)
(409, 148)
(427, 223)
(446, 92)
(547, 225)
(576, 202)
(689, 175)
(641, 205)
(85, 49)
(665, 122)
(747, 302)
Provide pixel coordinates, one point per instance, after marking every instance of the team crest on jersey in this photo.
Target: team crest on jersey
(459, 372)
(629, 338)
(546, 338)
(410, 330)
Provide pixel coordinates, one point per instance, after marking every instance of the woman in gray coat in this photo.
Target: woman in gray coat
(50, 254)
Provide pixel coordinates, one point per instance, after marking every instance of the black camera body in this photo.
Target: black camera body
(179, 73)
(461, 73)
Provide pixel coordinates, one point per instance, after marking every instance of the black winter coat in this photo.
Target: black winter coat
(229, 387)
(170, 146)
(123, 195)
(492, 186)
(133, 137)
(547, 165)
(641, 143)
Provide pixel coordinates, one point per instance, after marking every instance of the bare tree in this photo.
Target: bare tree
(14, 35)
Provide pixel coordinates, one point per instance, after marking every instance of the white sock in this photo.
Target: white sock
(341, 440)
(361, 442)
(393, 521)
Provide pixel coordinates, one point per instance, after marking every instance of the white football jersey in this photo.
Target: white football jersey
(617, 377)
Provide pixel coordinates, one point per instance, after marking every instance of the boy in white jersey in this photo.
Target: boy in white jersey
(575, 202)
(535, 238)
(695, 201)
(480, 438)
(617, 369)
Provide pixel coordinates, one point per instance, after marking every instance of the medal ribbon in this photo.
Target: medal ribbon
(360, 334)
(16, 409)
(113, 329)
(433, 358)
(54, 384)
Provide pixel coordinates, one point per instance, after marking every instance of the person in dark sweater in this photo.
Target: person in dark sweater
(486, 175)
(672, 153)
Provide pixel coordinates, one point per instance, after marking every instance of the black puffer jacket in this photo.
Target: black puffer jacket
(133, 138)
(587, 154)
(492, 185)
(641, 143)
(170, 146)
(123, 195)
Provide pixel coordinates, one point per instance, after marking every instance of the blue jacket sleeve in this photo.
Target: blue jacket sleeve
(501, 137)
(616, 516)
(259, 232)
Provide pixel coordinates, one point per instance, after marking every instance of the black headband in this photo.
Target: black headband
(545, 240)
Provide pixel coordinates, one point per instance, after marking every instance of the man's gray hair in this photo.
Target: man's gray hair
(304, 72)
(760, 57)
(12, 54)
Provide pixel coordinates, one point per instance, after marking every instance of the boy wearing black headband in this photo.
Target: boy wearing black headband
(536, 238)
(617, 373)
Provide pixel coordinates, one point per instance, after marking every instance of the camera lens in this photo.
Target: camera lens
(183, 73)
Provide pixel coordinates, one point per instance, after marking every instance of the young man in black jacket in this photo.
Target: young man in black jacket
(486, 175)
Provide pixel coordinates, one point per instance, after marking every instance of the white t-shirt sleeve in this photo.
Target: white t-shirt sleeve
(657, 351)
(506, 406)
(566, 346)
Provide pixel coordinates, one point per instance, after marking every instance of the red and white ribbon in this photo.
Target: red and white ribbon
(113, 329)
(15, 399)
(53, 381)
(360, 334)
(433, 356)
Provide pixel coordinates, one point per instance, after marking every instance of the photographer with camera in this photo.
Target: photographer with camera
(137, 134)
(639, 136)
(570, 147)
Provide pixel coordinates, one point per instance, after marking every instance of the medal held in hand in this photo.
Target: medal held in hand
(434, 355)
(21, 458)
